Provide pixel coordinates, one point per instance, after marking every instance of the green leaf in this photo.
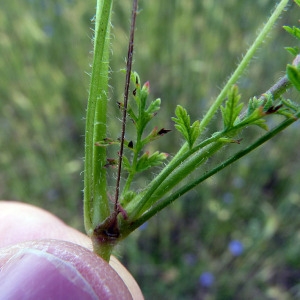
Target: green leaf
(268, 102)
(155, 134)
(143, 98)
(189, 132)
(256, 117)
(261, 123)
(154, 106)
(293, 50)
(147, 161)
(297, 1)
(290, 104)
(126, 163)
(141, 115)
(232, 108)
(254, 104)
(293, 74)
(295, 31)
(182, 121)
(134, 77)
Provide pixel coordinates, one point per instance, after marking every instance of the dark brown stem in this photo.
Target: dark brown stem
(126, 92)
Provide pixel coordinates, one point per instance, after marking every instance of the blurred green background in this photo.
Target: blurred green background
(237, 236)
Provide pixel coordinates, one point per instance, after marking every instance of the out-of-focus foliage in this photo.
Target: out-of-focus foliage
(237, 235)
(44, 51)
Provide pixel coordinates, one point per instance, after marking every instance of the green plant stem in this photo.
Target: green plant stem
(168, 200)
(279, 88)
(137, 208)
(243, 64)
(96, 206)
(180, 173)
(182, 164)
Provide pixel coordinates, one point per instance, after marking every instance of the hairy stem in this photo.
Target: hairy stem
(168, 200)
(96, 207)
(183, 165)
(178, 159)
(243, 64)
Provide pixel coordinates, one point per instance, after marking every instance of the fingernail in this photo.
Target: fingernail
(34, 274)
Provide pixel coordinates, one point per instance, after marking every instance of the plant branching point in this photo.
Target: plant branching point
(106, 225)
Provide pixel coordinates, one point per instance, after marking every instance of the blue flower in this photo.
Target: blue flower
(236, 247)
(206, 279)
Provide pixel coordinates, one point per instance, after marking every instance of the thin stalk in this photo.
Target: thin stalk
(168, 200)
(179, 167)
(183, 171)
(96, 206)
(126, 92)
(135, 208)
(243, 64)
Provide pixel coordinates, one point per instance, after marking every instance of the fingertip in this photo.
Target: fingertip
(52, 269)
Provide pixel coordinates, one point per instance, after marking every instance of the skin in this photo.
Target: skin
(22, 222)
